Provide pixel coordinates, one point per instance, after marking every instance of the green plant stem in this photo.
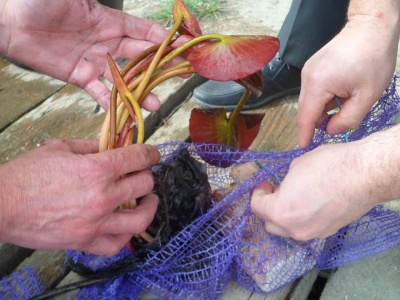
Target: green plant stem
(233, 116)
(139, 119)
(163, 76)
(109, 130)
(142, 80)
(178, 51)
(154, 63)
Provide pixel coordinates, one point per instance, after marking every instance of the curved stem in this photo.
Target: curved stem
(139, 119)
(232, 117)
(184, 69)
(178, 51)
(154, 63)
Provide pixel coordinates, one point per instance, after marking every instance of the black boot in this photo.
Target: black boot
(117, 4)
(280, 79)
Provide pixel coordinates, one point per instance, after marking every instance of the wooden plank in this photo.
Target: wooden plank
(278, 131)
(303, 286)
(48, 266)
(174, 128)
(234, 292)
(70, 113)
(376, 277)
(11, 257)
(22, 90)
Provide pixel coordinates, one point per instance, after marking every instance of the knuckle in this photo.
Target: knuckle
(54, 143)
(277, 216)
(143, 180)
(85, 233)
(144, 156)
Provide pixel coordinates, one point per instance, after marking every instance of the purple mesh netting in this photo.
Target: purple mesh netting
(229, 242)
(21, 284)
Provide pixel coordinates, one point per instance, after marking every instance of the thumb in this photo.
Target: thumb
(262, 204)
(260, 198)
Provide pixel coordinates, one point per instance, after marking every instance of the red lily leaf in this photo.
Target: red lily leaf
(248, 127)
(254, 83)
(234, 57)
(190, 25)
(211, 126)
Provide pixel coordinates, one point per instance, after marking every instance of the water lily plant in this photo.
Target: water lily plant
(214, 56)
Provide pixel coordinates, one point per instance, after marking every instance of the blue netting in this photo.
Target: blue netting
(229, 242)
(21, 284)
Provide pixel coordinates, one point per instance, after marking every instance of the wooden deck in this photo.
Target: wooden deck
(36, 108)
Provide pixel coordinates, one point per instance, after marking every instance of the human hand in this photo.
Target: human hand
(357, 65)
(65, 195)
(324, 190)
(69, 40)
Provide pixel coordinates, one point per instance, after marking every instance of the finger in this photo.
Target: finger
(349, 117)
(130, 187)
(333, 105)
(321, 120)
(81, 146)
(99, 92)
(141, 29)
(107, 245)
(128, 159)
(131, 47)
(151, 103)
(132, 221)
(276, 230)
(259, 199)
(312, 102)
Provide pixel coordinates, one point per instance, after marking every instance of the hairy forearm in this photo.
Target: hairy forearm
(380, 157)
(377, 13)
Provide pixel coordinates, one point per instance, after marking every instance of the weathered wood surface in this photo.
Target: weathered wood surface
(22, 90)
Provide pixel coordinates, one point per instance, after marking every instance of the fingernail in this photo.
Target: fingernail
(263, 189)
(154, 152)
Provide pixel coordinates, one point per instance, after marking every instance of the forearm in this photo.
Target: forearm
(380, 157)
(381, 15)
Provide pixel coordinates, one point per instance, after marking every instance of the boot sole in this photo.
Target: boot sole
(260, 103)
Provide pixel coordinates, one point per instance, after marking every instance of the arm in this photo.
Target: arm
(65, 195)
(69, 40)
(356, 65)
(331, 187)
